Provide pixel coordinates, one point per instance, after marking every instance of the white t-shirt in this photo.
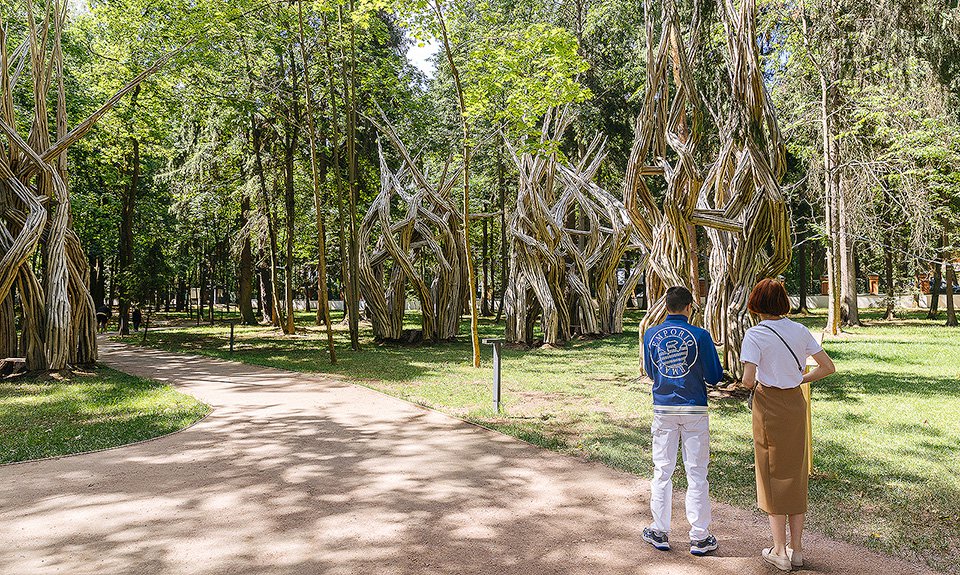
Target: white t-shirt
(776, 367)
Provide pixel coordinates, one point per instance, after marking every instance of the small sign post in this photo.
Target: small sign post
(496, 343)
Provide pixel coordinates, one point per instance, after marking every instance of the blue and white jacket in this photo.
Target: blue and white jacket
(682, 361)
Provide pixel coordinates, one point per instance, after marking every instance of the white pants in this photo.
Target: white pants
(668, 431)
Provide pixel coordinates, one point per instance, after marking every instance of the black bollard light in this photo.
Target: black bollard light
(496, 343)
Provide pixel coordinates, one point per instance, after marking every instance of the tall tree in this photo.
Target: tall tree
(324, 306)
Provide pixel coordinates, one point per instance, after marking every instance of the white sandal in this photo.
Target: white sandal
(796, 557)
(781, 562)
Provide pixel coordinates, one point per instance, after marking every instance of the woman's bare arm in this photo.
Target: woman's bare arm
(749, 375)
(824, 368)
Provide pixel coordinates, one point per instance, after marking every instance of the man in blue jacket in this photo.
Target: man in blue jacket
(682, 361)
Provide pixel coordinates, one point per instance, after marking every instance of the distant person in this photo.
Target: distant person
(774, 356)
(137, 319)
(682, 361)
(103, 317)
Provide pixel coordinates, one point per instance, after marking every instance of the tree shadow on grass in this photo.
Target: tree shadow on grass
(874, 502)
(45, 418)
(859, 386)
(380, 361)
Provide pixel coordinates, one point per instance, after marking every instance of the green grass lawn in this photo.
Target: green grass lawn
(886, 427)
(84, 412)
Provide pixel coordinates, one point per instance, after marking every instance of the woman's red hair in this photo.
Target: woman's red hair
(769, 297)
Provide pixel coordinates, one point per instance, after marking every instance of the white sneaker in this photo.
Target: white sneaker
(781, 562)
(796, 557)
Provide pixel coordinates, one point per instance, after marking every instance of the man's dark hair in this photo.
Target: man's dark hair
(678, 298)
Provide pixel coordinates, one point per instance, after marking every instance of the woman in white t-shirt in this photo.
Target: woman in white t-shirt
(774, 355)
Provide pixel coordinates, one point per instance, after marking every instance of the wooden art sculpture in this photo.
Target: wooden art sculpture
(560, 274)
(47, 315)
(736, 199)
(410, 237)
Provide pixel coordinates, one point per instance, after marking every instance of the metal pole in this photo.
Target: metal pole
(496, 343)
(496, 377)
(231, 337)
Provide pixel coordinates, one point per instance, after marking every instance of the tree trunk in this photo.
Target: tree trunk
(318, 170)
(353, 255)
(353, 197)
(471, 276)
(951, 282)
(834, 314)
(246, 266)
(828, 103)
(213, 289)
(849, 312)
(289, 148)
(181, 295)
(97, 281)
(346, 291)
(644, 301)
(485, 300)
(125, 259)
(258, 293)
(112, 292)
(936, 280)
(266, 295)
(803, 280)
(265, 206)
(504, 253)
(275, 281)
(290, 142)
(202, 289)
(888, 275)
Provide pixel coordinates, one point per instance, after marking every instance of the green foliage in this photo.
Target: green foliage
(516, 75)
(894, 120)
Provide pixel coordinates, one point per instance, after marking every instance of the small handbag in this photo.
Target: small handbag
(795, 358)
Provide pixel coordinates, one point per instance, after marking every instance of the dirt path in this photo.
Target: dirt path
(298, 474)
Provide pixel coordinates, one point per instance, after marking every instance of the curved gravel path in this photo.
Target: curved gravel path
(298, 474)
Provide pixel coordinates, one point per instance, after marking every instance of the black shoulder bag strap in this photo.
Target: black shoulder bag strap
(780, 337)
(786, 345)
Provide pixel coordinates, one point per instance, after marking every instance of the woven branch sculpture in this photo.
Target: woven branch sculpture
(667, 135)
(411, 237)
(738, 201)
(57, 324)
(560, 274)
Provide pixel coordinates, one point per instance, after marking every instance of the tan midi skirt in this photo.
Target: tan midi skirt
(779, 446)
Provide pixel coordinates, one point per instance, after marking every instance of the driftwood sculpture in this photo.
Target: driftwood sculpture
(744, 210)
(667, 134)
(560, 273)
(57, 324)
(738, 201)
(410, 241)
